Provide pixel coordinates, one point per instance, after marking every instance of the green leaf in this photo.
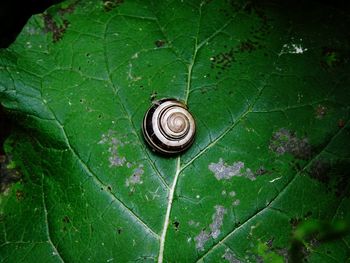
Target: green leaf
(268, 85)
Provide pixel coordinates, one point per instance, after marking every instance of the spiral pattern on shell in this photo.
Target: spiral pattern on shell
(168, 127)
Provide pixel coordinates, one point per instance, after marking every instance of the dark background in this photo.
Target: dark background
(15, 13)
(13, 16)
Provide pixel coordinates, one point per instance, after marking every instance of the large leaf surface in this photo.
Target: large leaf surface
(270, 93)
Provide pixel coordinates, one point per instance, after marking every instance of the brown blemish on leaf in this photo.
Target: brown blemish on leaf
(8, 175)
(159, 43)
(19, 195)
(69, 9)
(295, 222)
(53, 27)
(269, 243)
(261, 171)
(248, 46)
(341, 123)
(58, 29)
(109, 5)
(320, 170)
(222, 60)
(335, 176)
(321, 111)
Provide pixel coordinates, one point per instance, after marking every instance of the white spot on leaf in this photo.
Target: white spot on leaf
(230, 257)
(135, 178)
(218, 218)
(114, 157)
(222, 170)
(292, 49)
(201, 239)
(215, 226)
(284, 141)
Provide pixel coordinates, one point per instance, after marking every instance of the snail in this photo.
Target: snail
(168, 127)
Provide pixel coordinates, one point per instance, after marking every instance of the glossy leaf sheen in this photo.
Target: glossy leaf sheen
(268, 87)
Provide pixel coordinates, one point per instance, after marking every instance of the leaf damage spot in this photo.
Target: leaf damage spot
(109, 5)
(19, 195)
(335, 176)
(56, 29)
(58, 25)
(222, 60)
(115, 159)
(135, 178)
(218, 218)
(66, 219)
(153, 96)
(248, 46)
(193, 223)
(215, 226)
(321, 112)
(236, 202)
(230, 257)
(223, 171)
(176, 225)
(292, 49)
(284, 141)
(69, 9)
(159, 43)
(320, 170)
(131, 76)
(8, 174)
(232, 193)
(341, 123)
(201, 240)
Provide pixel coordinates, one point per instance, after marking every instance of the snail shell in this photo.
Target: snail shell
(168, 127)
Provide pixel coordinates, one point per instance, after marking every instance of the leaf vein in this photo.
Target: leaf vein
(275, 199)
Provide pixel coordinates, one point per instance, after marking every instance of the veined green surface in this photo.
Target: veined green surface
(268, 85)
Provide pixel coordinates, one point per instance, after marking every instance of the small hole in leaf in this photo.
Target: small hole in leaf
(159, 43)
(176, 225)
(66, 219)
